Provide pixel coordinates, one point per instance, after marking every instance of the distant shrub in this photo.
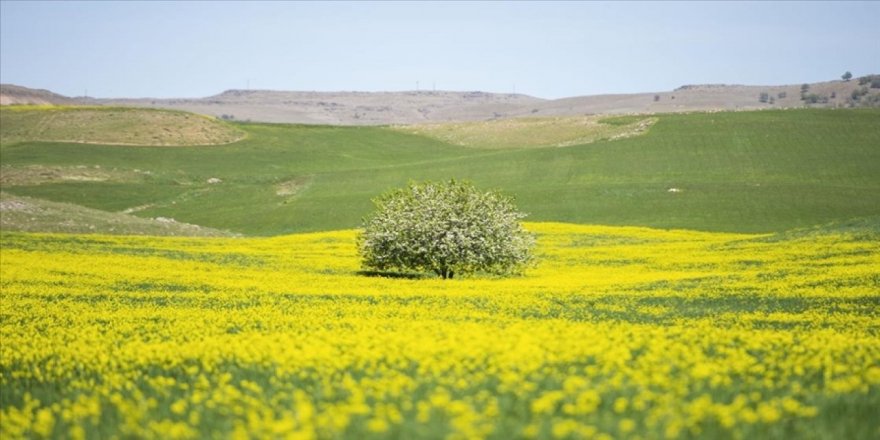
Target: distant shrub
(871, 101)
(833, 95)
(781, 95)
(764, 97)
(813, 98)
(872, 80)
(858, 93)
(846, 76)
(805, 88)
(656, 98)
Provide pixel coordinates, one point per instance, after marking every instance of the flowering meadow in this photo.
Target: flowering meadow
(616, 332)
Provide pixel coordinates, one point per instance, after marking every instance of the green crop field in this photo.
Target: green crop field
(760, 171)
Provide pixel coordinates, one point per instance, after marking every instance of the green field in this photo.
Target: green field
(764, 171)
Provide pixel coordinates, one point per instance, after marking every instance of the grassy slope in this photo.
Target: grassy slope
(533, 132)
(745, 172)
(36, 215)
(112, 125)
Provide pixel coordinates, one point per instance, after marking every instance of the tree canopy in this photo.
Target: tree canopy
(447, 228)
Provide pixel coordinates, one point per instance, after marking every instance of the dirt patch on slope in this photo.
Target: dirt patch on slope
(291, 189)
(531, 132)
(35, 215)
(40, 174)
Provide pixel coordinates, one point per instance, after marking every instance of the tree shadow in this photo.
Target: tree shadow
(396, 275)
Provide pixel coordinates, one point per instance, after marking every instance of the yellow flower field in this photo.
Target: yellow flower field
(616, 333)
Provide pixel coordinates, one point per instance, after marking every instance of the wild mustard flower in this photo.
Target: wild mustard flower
(616, 332)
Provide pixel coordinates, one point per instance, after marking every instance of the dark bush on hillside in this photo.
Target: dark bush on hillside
(858, 93)
(869, 80)
(447, 228)
(813, 98)
(871, 101)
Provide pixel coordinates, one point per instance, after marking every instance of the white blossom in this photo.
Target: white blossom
(447, 228)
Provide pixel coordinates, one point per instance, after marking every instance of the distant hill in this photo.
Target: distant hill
(348, 108)
(112, 125)
(11, 94)
(708, 97)
(415, 107)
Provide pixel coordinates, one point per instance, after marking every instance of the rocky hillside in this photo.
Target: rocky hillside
(347, 108)
(11, 94)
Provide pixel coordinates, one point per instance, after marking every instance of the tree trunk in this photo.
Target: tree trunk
(444, 273)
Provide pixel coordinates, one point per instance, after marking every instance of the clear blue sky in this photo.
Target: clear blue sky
(551, 50)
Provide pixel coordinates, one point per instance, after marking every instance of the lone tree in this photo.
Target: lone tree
(846, 76)
(447, 228)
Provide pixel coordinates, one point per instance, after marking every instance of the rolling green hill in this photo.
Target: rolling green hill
(763, 171)
(36, 215)
(112, 125)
